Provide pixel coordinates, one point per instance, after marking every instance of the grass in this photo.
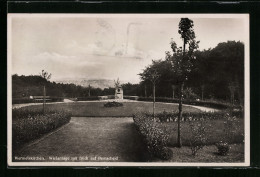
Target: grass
(214, 131)
(87, 137)
(28, 126)
(78, 136)
(97, 109)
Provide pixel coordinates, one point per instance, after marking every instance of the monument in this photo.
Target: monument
(118, 90)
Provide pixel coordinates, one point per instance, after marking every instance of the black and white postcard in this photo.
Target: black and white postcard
(128, 90)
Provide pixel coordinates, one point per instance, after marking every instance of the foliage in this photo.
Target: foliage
(199, 116)
(198, 136)
(155, 138)
(27, 125)
(28, 100)
(223, 148)
(211, 104)
(113, 104)
(230, 129)
(45, 75)
(88, 98)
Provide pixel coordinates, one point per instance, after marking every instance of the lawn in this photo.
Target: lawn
(97, 109)
(86, 137)
(214, 132)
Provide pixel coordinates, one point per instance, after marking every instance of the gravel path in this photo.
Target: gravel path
(90, 139)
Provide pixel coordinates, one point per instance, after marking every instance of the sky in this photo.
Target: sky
(105, 46)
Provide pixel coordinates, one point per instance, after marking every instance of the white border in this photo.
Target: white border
(93, 164)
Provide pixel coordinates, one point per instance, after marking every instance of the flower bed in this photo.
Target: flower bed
(88, 98)
(155, 138)
(29, 125)
(113, 104)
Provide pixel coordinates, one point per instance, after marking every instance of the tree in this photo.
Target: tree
(228, 57)
(182, 61)
(47, 77)
(151, 74)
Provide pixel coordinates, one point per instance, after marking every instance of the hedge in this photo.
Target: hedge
(28, 125)
(210, 104)
(155, 138)
(27, 100)
(88, 98)
(173, 116)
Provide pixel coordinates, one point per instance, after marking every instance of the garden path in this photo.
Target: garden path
(113, 138)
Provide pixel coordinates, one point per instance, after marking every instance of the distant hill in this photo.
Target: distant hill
(95, 83)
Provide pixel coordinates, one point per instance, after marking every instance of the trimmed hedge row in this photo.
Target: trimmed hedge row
(131, 97)
(173, 116)
(29, 125)
(88, 98)
(155, 138)
(27, 100)
(216, 105)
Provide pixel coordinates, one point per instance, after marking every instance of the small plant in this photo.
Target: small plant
(198, 136)
(230, 130)
(113, 104)
(223, 148)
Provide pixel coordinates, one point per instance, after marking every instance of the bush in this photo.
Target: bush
(197, 137)
(88, 98)
(29, 125)
(198, 116)
(131, 97)
(113, 104)
(223, 148)
(22, 100)
(155, 138)
(211, 104)
(28, 100)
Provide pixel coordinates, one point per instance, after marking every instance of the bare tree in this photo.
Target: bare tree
(46, 76)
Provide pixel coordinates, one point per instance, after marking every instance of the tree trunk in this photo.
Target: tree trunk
(145, 93)
(153, 101)
(179, 143)
(241, 102)
(44, 94)
(202, 92)
(173, 89)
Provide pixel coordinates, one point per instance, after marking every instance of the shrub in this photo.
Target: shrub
(211, 104)
(28, 100)
(155, 138)
(198, 116)
(113, 104)
(197, 137)
(230, 129)
(131, 97)
(88, 98)
(29, 125)
(223, 148)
